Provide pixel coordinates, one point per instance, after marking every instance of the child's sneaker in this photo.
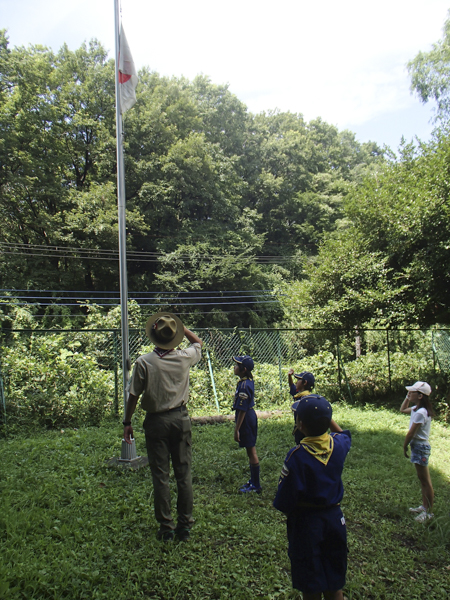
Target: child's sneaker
(423, 516)
(418, 509)
(245, 486)
(250, 488)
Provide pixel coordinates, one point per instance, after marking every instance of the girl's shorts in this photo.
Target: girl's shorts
(420, 453)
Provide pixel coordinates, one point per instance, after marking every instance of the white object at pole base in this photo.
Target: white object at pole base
(128, 453)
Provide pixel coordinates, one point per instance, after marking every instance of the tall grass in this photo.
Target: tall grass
(70, 527)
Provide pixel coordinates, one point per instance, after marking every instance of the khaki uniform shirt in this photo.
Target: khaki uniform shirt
(163, 381)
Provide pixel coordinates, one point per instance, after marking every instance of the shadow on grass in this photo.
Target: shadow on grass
(387, 547)
(72, 528)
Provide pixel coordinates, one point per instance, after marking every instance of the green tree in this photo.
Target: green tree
(57, 121)
(298, 174)
(214, 193)
(390, 266)
(430, 74)
(350, 285)
(404, 213)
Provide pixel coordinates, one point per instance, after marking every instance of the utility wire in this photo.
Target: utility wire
(117, 298)
(132, 256)
(115, 292)
(146, 304)
(200, 312)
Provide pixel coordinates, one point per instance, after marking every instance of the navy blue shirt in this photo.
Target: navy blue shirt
(244, 398)
(306, 481)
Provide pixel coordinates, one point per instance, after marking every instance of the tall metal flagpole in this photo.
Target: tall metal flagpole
(122, 221)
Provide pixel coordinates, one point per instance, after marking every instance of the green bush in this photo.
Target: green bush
(60, 379)
(49, 385)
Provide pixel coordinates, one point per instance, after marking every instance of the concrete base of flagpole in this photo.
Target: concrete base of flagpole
(128, 458)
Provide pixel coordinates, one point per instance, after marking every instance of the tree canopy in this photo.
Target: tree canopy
(430, 74)
(218, 199)
(232, 218)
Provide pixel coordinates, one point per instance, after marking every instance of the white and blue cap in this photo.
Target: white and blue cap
(312, 407)
(246, 361)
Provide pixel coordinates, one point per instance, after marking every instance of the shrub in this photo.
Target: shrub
(53, 386)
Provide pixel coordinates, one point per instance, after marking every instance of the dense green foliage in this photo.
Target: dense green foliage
(233, 219)
(210, 187)
(219, 200)
(72, 378)
(387, 264)
(54, 381)
(390, 266)
(430, 75)
(72, 528)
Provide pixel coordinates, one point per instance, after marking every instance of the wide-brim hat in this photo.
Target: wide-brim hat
(165, 330)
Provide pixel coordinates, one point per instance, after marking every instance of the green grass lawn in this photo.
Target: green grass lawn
(73, 528)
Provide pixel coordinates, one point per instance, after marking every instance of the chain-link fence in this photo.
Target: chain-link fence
(441, 348)
(85, 366)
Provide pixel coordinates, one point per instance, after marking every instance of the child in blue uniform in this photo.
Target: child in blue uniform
(246, 429)
(302, 387)
(309, 492)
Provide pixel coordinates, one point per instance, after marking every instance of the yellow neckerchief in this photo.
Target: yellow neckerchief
(304, 393)
(321, 447)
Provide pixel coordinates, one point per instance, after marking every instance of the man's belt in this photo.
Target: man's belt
(177, 408)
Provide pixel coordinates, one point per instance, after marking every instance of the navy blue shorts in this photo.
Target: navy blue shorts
(318, 549)
(248, 431)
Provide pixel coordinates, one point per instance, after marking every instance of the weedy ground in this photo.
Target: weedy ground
(70, 527)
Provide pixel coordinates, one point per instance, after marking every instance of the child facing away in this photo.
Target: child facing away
(417, 439)
(246, 421)
(302, 387)
(309, 492)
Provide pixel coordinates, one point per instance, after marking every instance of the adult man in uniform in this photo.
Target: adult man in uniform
(161, 377)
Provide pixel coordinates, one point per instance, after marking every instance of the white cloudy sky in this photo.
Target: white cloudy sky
(341, 61)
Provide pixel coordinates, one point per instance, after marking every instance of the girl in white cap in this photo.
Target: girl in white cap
(417, 438)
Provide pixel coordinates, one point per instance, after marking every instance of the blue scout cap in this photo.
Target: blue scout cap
(309, 377)
(312, 407)
(246, 361)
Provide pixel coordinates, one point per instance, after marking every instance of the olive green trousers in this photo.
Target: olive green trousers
(168, 439)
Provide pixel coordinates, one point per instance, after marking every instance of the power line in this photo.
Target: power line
(117, 298)
(204, 312)
(132, 256)
(147, 304)
(115, 292)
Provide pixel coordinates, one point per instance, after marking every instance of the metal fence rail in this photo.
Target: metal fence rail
(343, 361)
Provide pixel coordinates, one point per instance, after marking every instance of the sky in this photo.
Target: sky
(344, 62)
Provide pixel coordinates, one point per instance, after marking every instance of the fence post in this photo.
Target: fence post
(345, 374)
(116, 373)
(389, 359)
(211, 374)
(279, 361)
(2, 395)
(434, 352)
(338, 361)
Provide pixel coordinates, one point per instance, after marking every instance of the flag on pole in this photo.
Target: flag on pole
(127, 74)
